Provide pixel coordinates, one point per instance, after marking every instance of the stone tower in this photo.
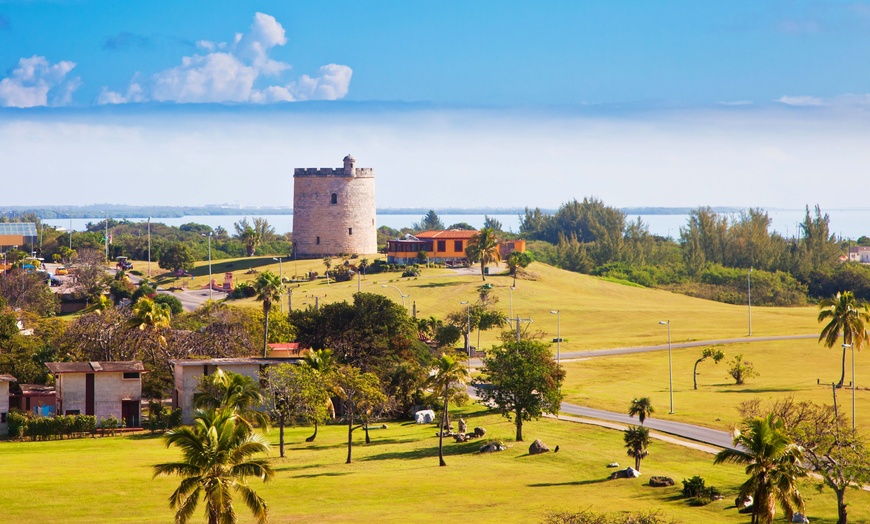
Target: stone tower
(334, 210)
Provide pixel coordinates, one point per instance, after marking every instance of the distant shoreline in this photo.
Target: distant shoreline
(126, 211)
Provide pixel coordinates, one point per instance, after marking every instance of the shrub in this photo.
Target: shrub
(622, 517)
(741, 369)
(698, 493)
(411, 272)
(174, 304)
(162, 418)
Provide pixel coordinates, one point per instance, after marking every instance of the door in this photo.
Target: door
(89, 394)
(130, 413)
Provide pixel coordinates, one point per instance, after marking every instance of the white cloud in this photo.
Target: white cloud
(36, 82)
(229, 72)
(801, 100)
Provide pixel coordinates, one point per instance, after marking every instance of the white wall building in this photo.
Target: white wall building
(101, 389)
(4, 402)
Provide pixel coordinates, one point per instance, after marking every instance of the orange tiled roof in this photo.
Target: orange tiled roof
(450, 234)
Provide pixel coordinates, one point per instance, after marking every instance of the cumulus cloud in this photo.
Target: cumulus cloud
(233, 72)
(37, 82)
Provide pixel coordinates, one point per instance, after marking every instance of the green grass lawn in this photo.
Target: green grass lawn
(394, 479)
(595, 313)
(785, 368)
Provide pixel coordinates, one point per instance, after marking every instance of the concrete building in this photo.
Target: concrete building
(334, 211)
(101, 389)
(859, 254)
(442, 247)
(4, 402)
(188, 373)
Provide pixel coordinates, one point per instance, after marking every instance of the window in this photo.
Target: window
(350, 231)
(457, 245)
(72, 412)
(442, 246)
(334, 198)
(317, 241)
(131, 375)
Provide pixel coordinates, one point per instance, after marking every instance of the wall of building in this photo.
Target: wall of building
(348, 226)
(4, 407)
(109, 390)
(187, 378)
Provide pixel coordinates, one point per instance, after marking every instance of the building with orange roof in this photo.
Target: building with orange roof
(443, 247)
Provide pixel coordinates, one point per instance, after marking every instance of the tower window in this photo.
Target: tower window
(350, 231)
(334, 198)
(317, 241)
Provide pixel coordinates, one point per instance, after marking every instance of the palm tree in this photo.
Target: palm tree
(232, 392)
(483, 248)
(322, 361)
(151, 315)
(327, 261)
(363, 264)
(268, 287)
(216, 461)
(845, 315)
(642, 407)
(449, 375)
(773, 463)
(636, 443)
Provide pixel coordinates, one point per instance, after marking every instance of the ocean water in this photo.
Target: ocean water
(845, 223)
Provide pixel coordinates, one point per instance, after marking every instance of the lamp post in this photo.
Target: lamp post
(558, 339)
(209, 264)
(845, 346)
(467, 328)
(404, 296)
(749, 298)
(149, 247)
(280, 275)
(670, 365)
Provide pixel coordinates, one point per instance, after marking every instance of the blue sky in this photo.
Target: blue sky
(614, 99)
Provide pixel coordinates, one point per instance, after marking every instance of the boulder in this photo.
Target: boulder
(800, 518)
(627, 473)
(743, 502)
(479, 432)
(463, 426)
(492, 447)
(613, 465)
(426, 416)
(660, 482)
(460, 437)
(538, 447)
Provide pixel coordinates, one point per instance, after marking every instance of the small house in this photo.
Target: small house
(101, 389)
(35, 398)
(5, 380)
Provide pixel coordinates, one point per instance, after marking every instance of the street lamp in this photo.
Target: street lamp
(558, 339)
(749, 298)
(467, 328)
(670, 364)
(281, 276)
(846, 346)
(404, 296)
(209, 263)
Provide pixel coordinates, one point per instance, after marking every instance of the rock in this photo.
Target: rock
(660, 482)
(460, 437)
(743, 502)
(538, 447)
(627, 473)
(479, 432)
(800, 518)
(463, 427)
(492, 447)
(613, 465)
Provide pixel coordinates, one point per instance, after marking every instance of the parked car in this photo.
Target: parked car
(55, 282)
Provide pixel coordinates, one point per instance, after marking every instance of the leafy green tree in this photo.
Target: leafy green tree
(361, 397)
(324, 364)
(448, 382)
(741, 370)
(175, 257)
(483, 248)
(429, 222)
(234, 392)
(845, 315)
(522, 380)
(641, 408)
(269, 289)
(462, 226)
(491, 223)
(296, 395)
(217, 459)
(248, 235)
(175, 307)
(773, 463)
(636, 443)
(517, 260)
(27, 291)
(715, 354)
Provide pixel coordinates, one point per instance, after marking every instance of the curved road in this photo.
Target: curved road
(678, 345)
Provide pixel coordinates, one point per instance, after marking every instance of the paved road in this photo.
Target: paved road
(678, 345)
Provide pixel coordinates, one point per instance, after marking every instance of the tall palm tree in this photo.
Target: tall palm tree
(449, 378)
(268, 287)
(216, 462)
(845, 315)
(773, 463)
(636, 443)
(641, 407)
(323, 362)
(150, 315)
(483, 248)
(233, 392)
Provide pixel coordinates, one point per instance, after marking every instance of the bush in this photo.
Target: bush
(622, 517)
(411, 272)
(162, 418)
(741, 370)
(45, 428)
(174, 304)
(696, 490)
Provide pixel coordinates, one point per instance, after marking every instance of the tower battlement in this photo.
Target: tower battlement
(359, 172)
